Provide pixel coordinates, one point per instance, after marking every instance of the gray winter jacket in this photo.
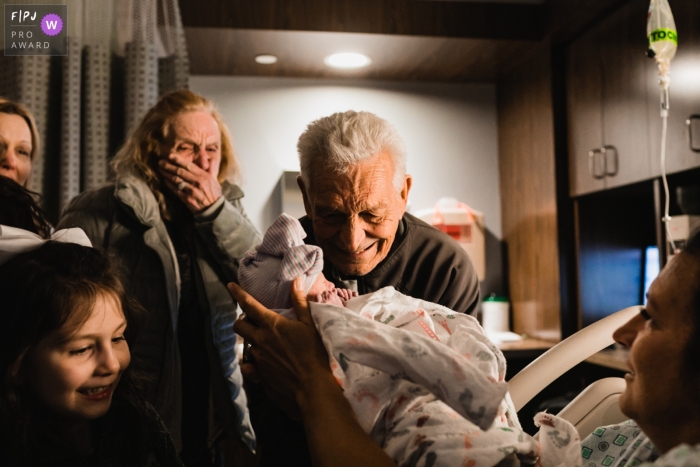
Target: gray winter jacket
(124, 219)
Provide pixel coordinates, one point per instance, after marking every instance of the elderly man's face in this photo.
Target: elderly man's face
(355, 215)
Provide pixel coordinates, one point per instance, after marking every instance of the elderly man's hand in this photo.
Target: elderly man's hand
(288, 354)
(196, 187)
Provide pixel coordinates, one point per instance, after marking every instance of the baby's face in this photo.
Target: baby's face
(323, 291)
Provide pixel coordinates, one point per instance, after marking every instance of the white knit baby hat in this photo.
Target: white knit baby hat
(268, 272)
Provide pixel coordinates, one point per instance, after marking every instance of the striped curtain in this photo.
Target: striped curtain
(122, 55)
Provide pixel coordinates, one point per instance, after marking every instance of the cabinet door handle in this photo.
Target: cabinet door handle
(592, 164)
(610, 149)
(693, 124)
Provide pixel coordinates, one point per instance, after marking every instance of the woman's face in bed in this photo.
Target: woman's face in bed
(659, 392)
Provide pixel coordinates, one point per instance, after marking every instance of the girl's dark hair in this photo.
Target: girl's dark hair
(19, 208)
(42, 290)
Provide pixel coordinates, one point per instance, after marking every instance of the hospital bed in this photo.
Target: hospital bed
(597, 405)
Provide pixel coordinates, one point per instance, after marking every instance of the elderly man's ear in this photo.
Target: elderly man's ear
(305, 196)
(407, 183)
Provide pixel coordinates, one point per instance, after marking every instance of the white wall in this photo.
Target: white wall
(450, 131)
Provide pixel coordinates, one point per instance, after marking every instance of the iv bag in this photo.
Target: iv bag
(662, 35)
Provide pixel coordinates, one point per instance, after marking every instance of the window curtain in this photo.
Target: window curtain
(122, 55)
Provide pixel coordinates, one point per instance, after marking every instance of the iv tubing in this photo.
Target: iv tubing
(666, 218)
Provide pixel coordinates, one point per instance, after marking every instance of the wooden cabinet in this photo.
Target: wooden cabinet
(528, 195)
(685, 94)
(613, 100)
(613, 107)
(625, 68)
(584, 104)
(608, 101)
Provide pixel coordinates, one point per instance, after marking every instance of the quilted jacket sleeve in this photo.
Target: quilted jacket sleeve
(227, 231)
(90, 211)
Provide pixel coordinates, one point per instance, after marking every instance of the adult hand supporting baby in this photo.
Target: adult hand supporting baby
(292, 365)
(288, 354)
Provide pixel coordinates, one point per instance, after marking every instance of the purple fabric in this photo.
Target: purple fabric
(268, 272)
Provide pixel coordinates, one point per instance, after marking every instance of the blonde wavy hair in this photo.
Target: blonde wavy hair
(150, 140)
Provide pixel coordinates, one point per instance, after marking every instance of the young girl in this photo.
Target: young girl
(67, 397)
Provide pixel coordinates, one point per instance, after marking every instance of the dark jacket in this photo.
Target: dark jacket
(422, 263)
(126, 435)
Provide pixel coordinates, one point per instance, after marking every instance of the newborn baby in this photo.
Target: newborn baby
(424, 381)
(268, 272)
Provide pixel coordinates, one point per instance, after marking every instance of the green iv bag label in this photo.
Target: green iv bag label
(663, 34)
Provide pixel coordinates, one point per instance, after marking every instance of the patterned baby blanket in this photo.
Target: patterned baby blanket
(425, 382)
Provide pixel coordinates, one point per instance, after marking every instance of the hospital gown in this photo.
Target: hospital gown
(622, 445)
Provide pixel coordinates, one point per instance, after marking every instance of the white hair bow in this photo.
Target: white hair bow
(14, 241)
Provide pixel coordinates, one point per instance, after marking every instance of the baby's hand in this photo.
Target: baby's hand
(328, 296)
(345, 294)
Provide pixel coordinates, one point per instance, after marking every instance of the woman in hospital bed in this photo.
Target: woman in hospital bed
(444, 413)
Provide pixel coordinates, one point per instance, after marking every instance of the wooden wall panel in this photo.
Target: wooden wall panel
(436, 18)
(301, 53)
(566, 19)
(528, 195)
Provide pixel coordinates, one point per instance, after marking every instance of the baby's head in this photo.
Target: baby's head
(63, 332)
(268, 272)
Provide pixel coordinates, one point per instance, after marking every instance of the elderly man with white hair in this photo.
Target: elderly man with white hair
(355, 189)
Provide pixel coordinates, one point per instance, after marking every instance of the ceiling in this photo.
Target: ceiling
(410, 40)
(301, 53)
(485, 1)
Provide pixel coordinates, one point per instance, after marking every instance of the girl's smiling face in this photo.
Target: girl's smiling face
(74, 371)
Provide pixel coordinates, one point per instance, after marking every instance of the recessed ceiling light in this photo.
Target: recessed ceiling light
(266, 59)
(347, 60)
